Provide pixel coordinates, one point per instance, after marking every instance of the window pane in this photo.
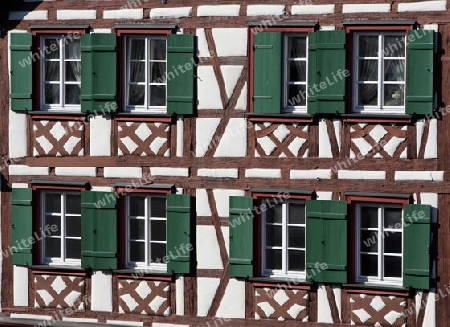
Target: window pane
(392, 266)
(52, 247)
(369, 241)
(137, 50)
(369, 217)
(393, 242)
(73, 203)
(296, 213)
(297, 47)
(394, 70)
(273, 213)
(158, 252)
(73, 249)
(137, 206)
(51, 93)
(368, 46)
(369, 265)
(73, 228)
(158, 207)
(73, 71)
(158, 71)
(393, 95)
(73, 94)
(296, 260)
(273, 235)
(51, 49)
(137, 72)
(53, 220)
(296, 71)
(157, 95)
(52, 71)
(137, 229)
(273, 259)
(137, 251)
(394, 46)
(53, 203)
(296, 95)
(157, 49)
(158, 230)
(368, 70)
(392, 217)
(367, 94)
(296, 237)
(73, 49)
(136, 95)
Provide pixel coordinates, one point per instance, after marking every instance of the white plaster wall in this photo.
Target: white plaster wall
(231, 74)
(27, 170)
(230, 41)
(431, 147)
(222, 200)
(265, 10)
(432, 200)
(420, 125)
(101, 293)
(233, 302)
(204, 132)
(226, 236)
(361, 174)
(363, 8)
(220, 10)
(28, 15)
(100, 135)
(310, 174)
(312, 9)
(323, 307)
(202, 44)
(180, 136)
(434, 176)
(124, 14)
(17, 133)
(20, 286)
(234, 140)
(208, 252)
(122, 172)
(125, 323)
(202, 202)
(179, 286)
(423, 6)
(241, 103)
(76, 14)
(208, 93)
(324, 195)
(171, 12)
(429, 319)
(206, 290)
(324, 141)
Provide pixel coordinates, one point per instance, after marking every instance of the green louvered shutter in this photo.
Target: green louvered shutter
(99, 73)
(326, 240)
(21, 72)
(416, 246)
(180, 233)
(99, 230)
(180, 86)
(241, 236)
(22, 225)
(419, 72)
(267, 74)
(326, 65)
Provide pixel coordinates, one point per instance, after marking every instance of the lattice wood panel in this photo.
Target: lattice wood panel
(281, 304)
(144, 139)
(377, 310)
(54, 291)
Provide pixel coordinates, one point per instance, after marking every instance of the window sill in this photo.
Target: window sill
(143, 274)
(145, 117)
(379, 118)
(60, 115)
(290, 283)
(288, 118)
(377, 289)
(58, 270)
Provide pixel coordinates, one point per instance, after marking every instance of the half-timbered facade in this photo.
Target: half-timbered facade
(230, 163)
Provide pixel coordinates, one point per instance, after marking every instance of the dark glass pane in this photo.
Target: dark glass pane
(392, 242)
(368, 70)
(51, 50)
(73, 249)
(273, 213)
(369, 217)
(53, 203)
(158, 207)
(158, 252)
(296, 237)
(73, 228)
(369, 241)
(157, 49)
(273, 235)
(137, 72)
(392, 217)
(136, 96)
(137, 251)
(392, 266)
(296, 213)
(52, 71)
(296, 260)
(368, 46)
(73, 203)
(296, 71)
(73, 94)
(158, 72)
(157, 95)
(394, 46)
(368, 94)
(369, 265)
(296, 95)
(73, 49)
(273, 259)
(394, 70)
(137, 229)
(52, 247)
(51, 93)
(158, 230)
(297, 47)
(54, 223)
(137, 206)
(393, 95)
(73, 71)
(137, 50)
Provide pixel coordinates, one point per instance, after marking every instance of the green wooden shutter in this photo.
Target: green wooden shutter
(419, 72)
(180, 86)
(326, 66)
(22, 225)
(21, 72)
(416, 246)
(99, 230)
(267, 74)
(99, 73)
(181, 215)
(326, 241)
(241, 236)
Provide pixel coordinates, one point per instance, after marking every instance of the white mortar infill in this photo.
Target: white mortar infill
(423, 6)
(76, 14)
(208, 251)
(171, 12)
(101, 293)
(220, 10)
(122, 172)
(100, 133)
(363, 8)
(361, 174)
(263, 173)
(230, 41)
(312, 9)
(27, 170)
(124, 14)
(265, 10)
(206, 290)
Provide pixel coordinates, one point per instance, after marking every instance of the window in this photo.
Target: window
(60, 73)
(61, 218)
(146, 64)
(283, 238)
(146, 231)
(380, 66)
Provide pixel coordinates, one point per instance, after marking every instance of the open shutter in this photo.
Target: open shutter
(416, 246)
(99, 73)
(326, 66)
(21, 72)
(326, 241)
(419, 72)
(267, 73)
(99, 230)
(181, 88)
(22, 225)
(180, 233)
(241, 236)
